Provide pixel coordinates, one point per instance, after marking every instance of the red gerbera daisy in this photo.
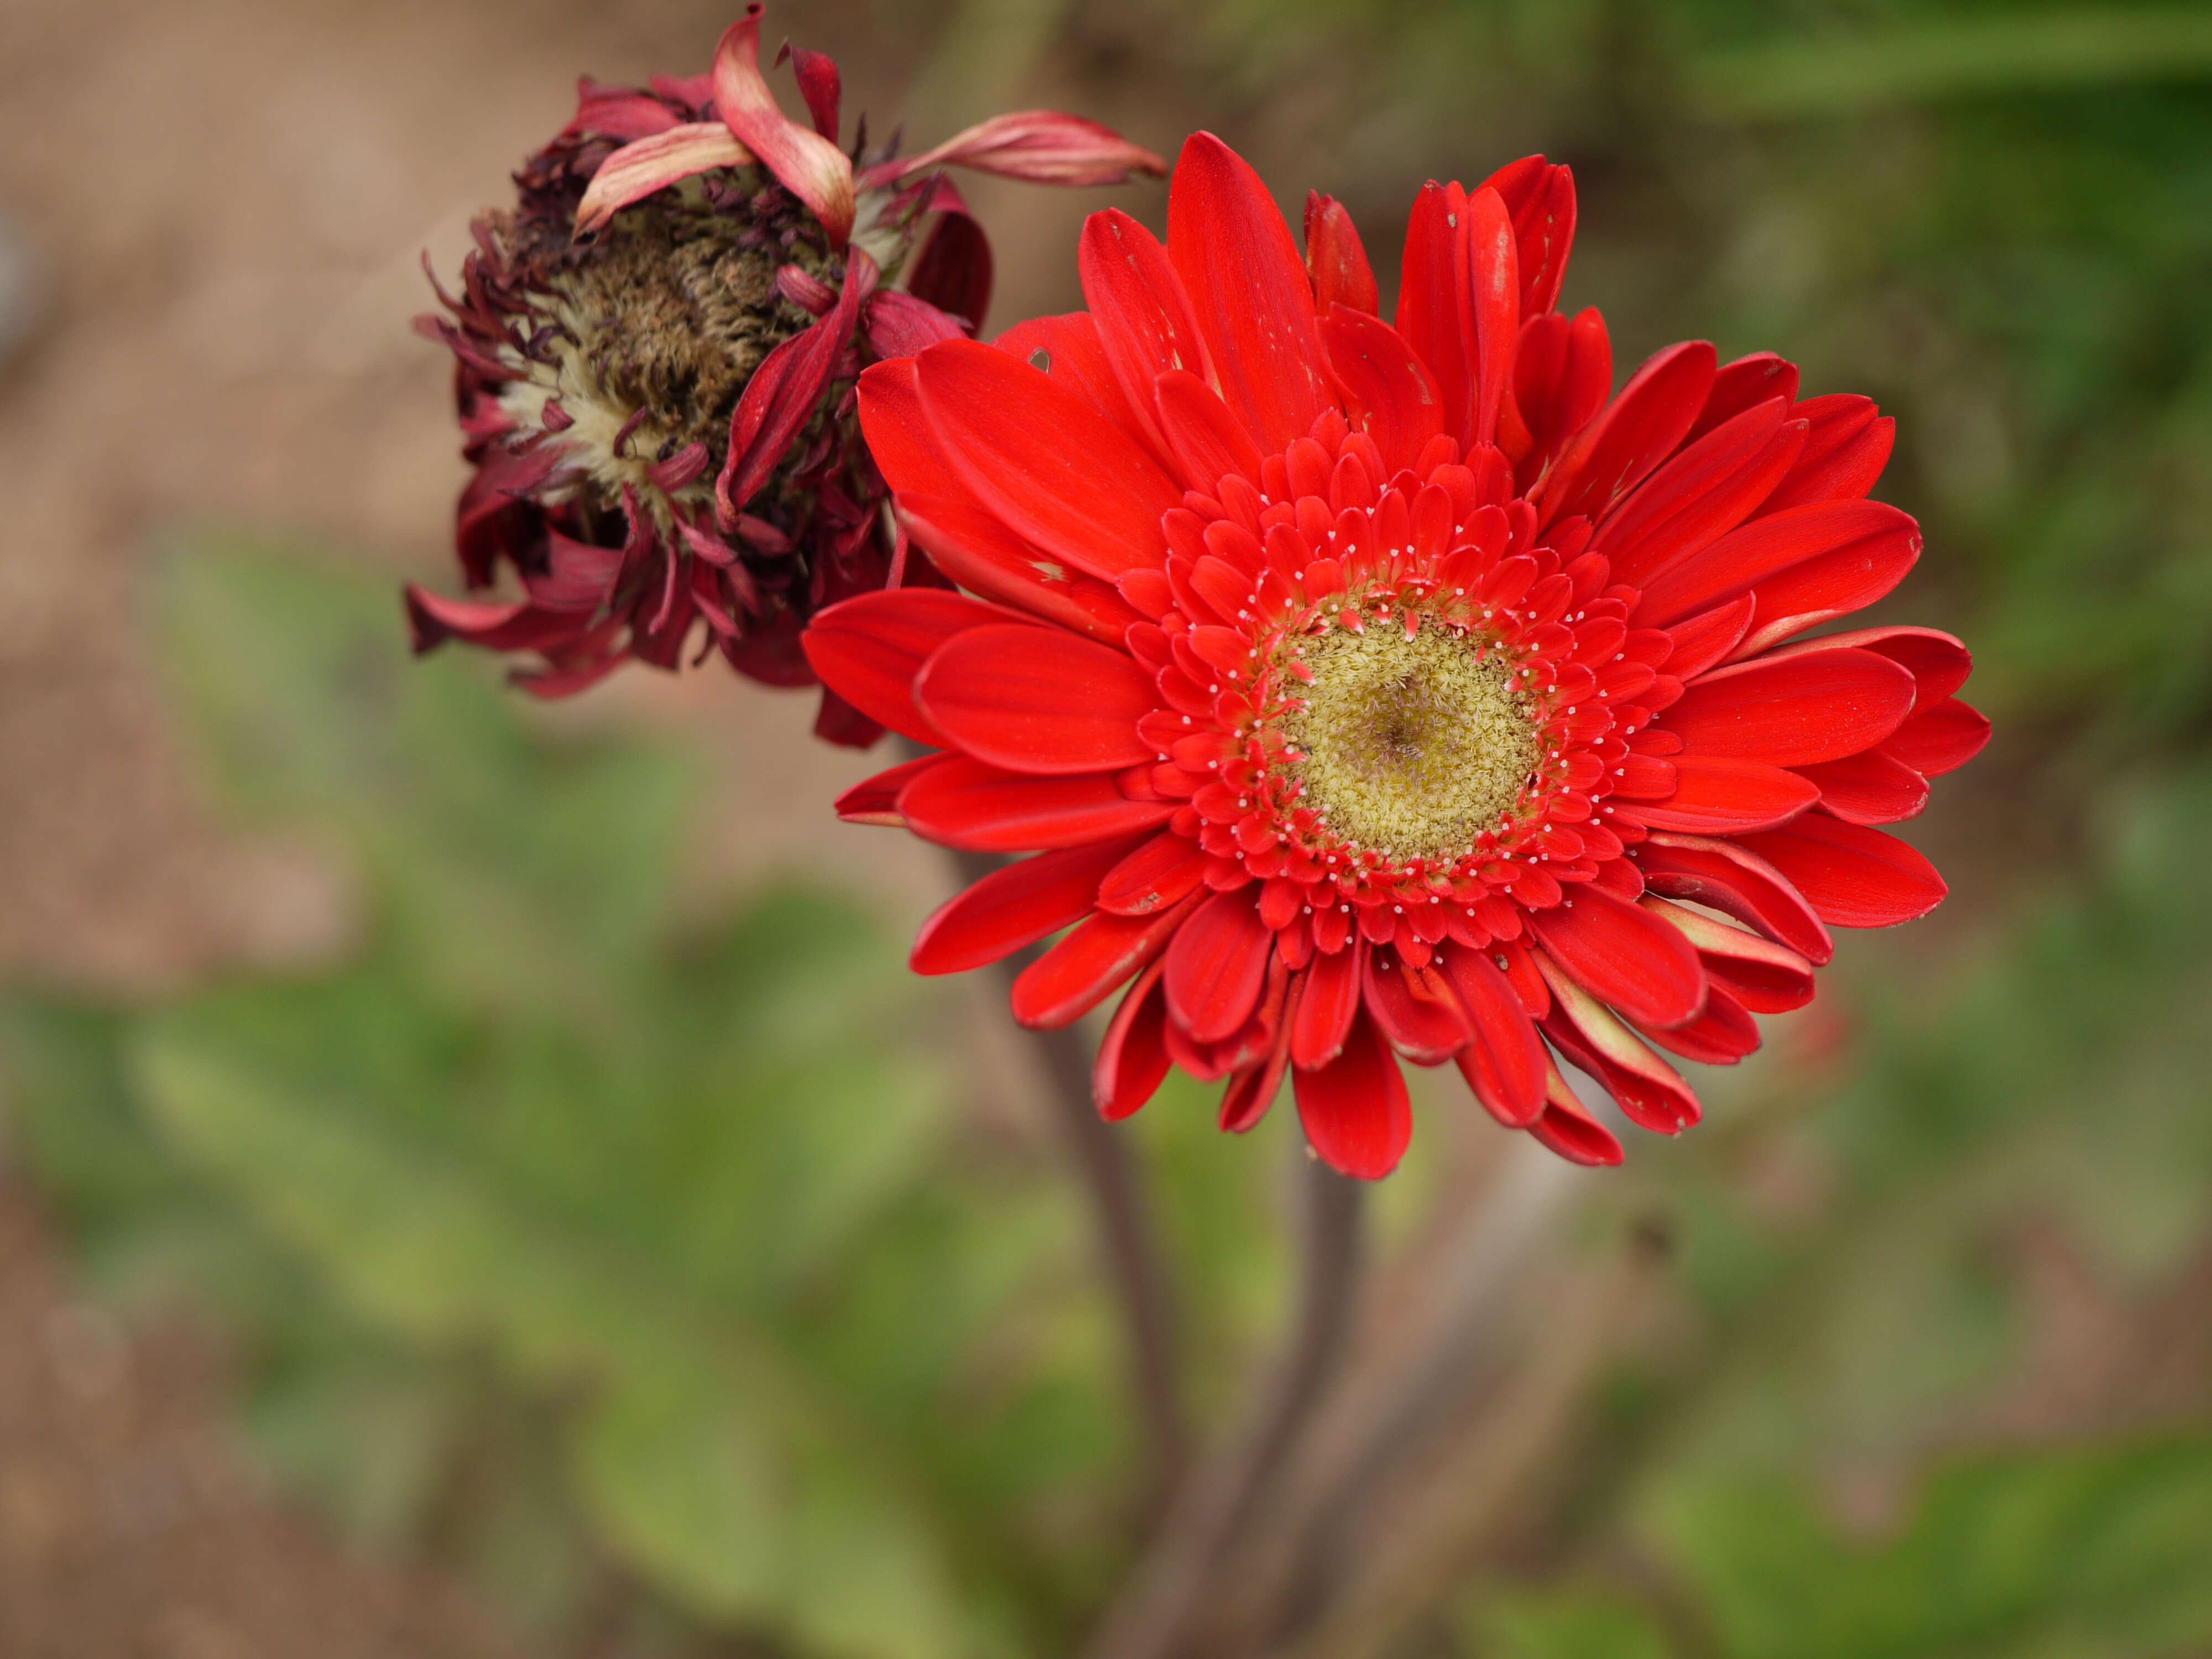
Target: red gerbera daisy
(655, 357)
(1370, 692)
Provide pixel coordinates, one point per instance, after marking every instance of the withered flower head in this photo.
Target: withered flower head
(657, 348)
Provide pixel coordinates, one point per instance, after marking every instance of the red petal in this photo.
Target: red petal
(1326, 1006)
(1435, 299)
(820, 85)
(875, 800)
(784, 395)
(640, 168)
(1715, 796)
(1505, 1063)
(1868, 788)
(1793, 711)
(1542, 199)
(1707, 637)
(1154, 876)
(1639, 430)
(808, 165)
(1938, 662)
(1132, 1055)
(1567, 1128)
(1771, 545)
(1248, 289)
(1336, 260)
(1216, 966)
(1144, 317)
(1068, 350)
(1417, 1014)
(1766, 977)
(899, 325)
(869, 648)
(964, 803)
(1940, 738)
(1054, 469)
(1253, 1091)
(900, 440)
(952, 270)
(1740, 884)
(1083, 969)
(1851, 875)
(1494, 273)
(1721, 1035)
(1388, 391)
(1035, 699)
(1204, 438)
(1624, 955)
(1700, 495)
(1745, 384)
(1013, 907)
(975, 550)
(1843, 454)
(1649, 1091)
(1355, 1109)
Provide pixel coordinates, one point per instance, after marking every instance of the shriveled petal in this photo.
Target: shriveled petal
(652, 163)
(1249, 291)
(869, 648)
(1011, 906)
(1715, 796)
(1050, 465)
(783, 396)
(984, 809)
(1794, 711)
(1085, 969)
(1852, 876)
(1216, 966)
(1355, 1109)
(898, 324)
(1037, 700)
(1042, 146)
(1625, 956)
(812, 167)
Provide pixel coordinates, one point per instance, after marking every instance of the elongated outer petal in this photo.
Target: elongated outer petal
(1717, 796)
(1011, 906)
(1436, 301)
(1852, 876)
(1505, 1063)
(1037, 700)
(1625, 956)
(1248, 290)
(1649, 1089)
(1388, 391)
(1940, 738)
(875, 800)
(1870, 788)
(902, 441)
(1639, 430)
(1085, 969)
(1766, 977)
(1132, 1056)
(810, 167)
(1737, 882)
(1566, 1127)
(966, 804)
(645, 165)
(1794, 711)
(1144, 317)
(1494, 273)
(1355, 1109)
(869, 648)
(1766, 547)
(1325, 1009)
(1336, 259)
(975, 550)
(1051, 467)
(1217, 965)
(1069, 349)
(1041, 146)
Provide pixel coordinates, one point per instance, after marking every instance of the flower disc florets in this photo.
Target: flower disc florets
(657, 349)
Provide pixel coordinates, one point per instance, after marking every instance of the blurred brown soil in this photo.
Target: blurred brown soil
(130, 1527)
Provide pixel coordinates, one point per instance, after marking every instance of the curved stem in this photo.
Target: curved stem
(1130, 1255)
(1153, 1619)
